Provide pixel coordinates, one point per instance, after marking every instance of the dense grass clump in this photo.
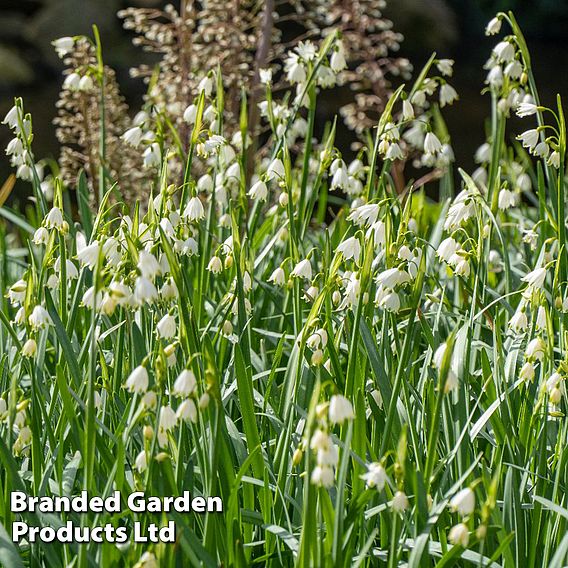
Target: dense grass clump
(366, 377)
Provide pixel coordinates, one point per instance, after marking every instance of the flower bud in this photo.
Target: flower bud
(148, 432)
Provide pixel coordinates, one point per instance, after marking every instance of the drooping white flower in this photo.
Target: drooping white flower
(190, 114)
(459, 535)
(20, 317)
(137, 381)
(152, 155)
(541, 318)
(169, 290)
(340, 178)
(393, 277)
(376, 476)
(108, 304)
(390, 302)
(303, 269)
(323, 476)
(259, 191)
(233, 172)
(205, 183)
(432, 144)
(188, 247)
(39, 318)
(133, 136)
(460, 263)
(12, 117)
(52, 282)
(407, 110)
(54, 219)
(328, 456)
(337, 60)
(350, 249)
(483, 153)
(493, 27)
(445, 66)
(185, 384)
(147, 560)
(519, 322)
(394, 152)
(553, 381)
(17, 292)
(452, 377)
(247, 282)
(463, 502)
(447, 248)
(275, 170)
(166, 327)
(144, 291)
(187, 411)
(554, 159)
(278, 277)
(311, 293)
(555, 396)
(148, 265)
(85, 84)
(535, 278)
(542, 149)
(92, 299)
(319, 440)
(120, 292)
(504, 51)
(206, 85)
(149, 400)
(514, 70)
(365, 214)
(29, 348)
(72, 81)
(63, 45)
(536, 349)
(495, 77)
(447, 95)
(399, 502)
(529, 138)
(89, 255)
(530, 237)
(16, 148)
(265, 76)
(460, 211)
(526, 109)
(419, 98)
(168, 418)
(215, 265)
(140, 462)
(295, 70)
(507, 199)
(194, 210)
(527, 372)
(340, 409)
(317, 339)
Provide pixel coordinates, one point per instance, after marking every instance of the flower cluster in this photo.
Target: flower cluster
(336, 411)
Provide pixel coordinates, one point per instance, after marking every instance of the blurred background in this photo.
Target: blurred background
(30, 68)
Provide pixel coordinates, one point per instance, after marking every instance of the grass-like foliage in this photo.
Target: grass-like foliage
(366, 377)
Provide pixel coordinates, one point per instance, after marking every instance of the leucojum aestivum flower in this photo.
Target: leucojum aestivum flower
(362, 375)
